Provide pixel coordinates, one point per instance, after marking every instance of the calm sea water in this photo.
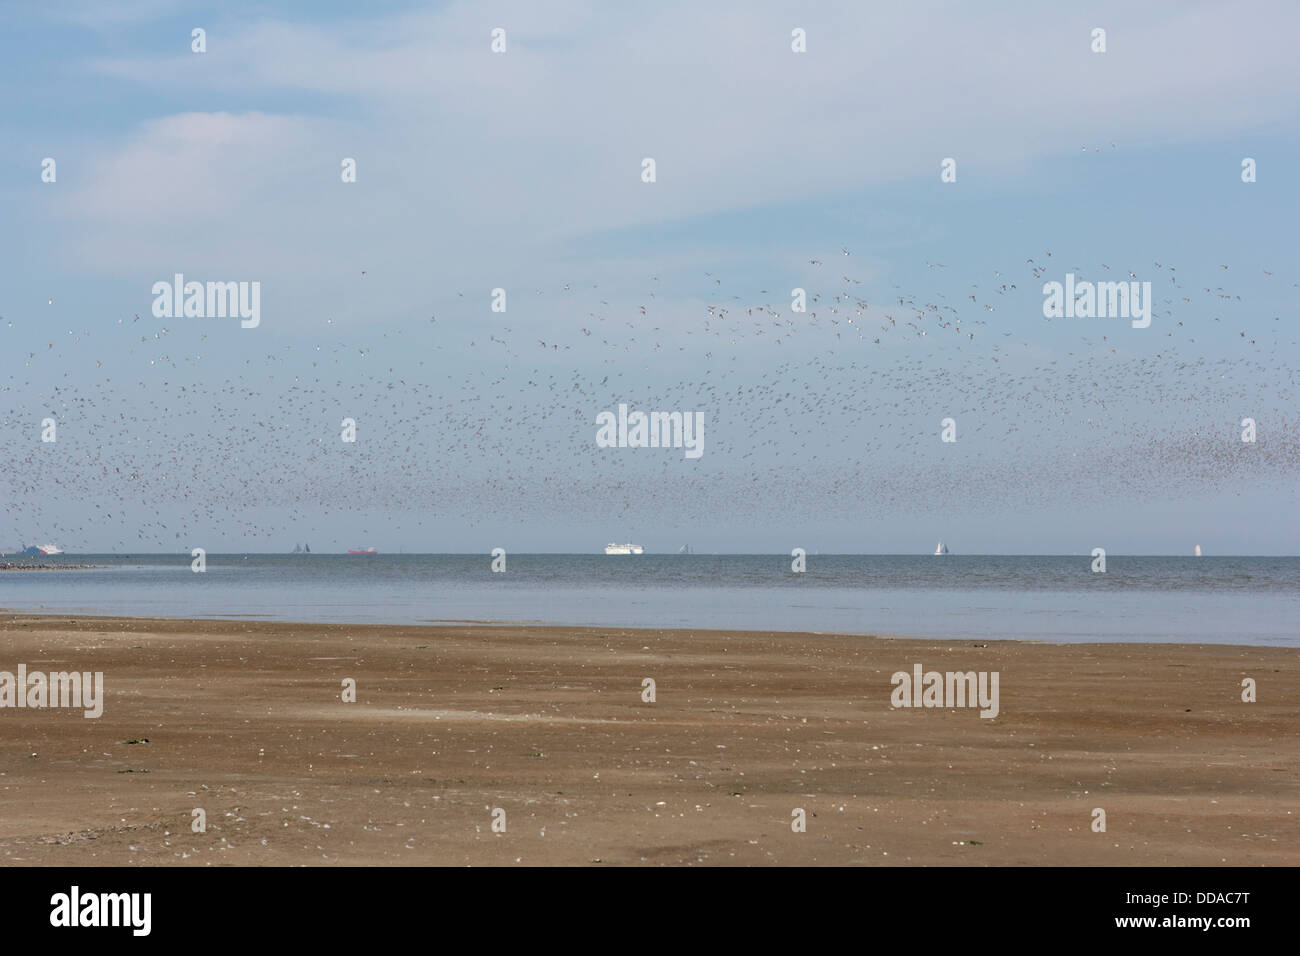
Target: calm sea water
(1210, 600)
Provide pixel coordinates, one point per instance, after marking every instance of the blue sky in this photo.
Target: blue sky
(522, 171)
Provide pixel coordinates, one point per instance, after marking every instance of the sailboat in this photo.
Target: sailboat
(1198, 551)
(941, 548)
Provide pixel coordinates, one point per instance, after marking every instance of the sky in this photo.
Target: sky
(775, 170)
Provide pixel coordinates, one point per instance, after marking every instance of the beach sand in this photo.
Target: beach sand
(245, 720)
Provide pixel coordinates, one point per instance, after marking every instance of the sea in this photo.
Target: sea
(1216, 600)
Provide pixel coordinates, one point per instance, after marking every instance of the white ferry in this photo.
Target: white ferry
(613, 548)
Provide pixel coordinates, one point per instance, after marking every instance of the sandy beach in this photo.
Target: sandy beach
(246, 721)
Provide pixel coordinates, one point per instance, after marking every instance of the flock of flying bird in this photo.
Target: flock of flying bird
(477, 417)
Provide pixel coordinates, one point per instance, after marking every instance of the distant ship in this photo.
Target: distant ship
(1198, 551)
(301, 549)
(362, 551)
(941, 549)
(685, 549)
(613, 548)
(37, 550)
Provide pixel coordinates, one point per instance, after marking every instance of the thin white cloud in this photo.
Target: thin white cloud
(464, 154)
(99, 16)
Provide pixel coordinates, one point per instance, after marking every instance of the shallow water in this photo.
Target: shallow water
(1184, 599)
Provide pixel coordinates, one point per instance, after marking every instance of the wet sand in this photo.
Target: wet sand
(245, 720)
